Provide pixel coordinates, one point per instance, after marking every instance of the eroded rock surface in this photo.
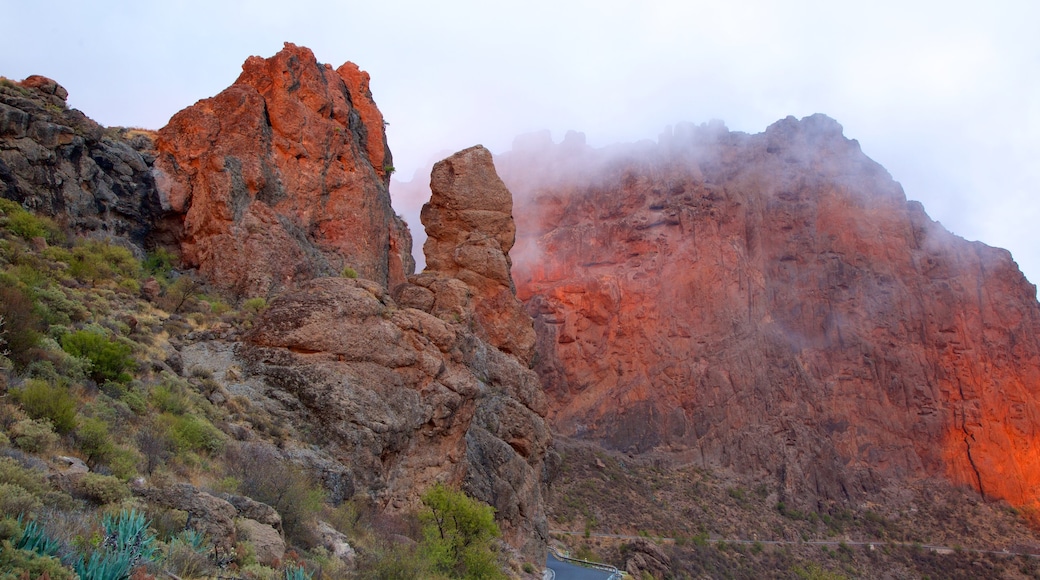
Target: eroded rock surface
(404, 399)
(282, 177)
(470, 229)
(772, 303)
(56, 161)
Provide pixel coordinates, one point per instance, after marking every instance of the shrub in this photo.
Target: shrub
(397, 562)
(22, 327)
(34, 436)
(42, 400)
(15, 500)
(159, 262)
(16, 564)
(458, 532)
(268, 478)
(254, 305)
(95, 261)
(170, 398)
(28, 226)
(95, 441)
(349, 272)
(156, 445)
(29, 479)
(109, 359)
(101, 489)
(196, 434)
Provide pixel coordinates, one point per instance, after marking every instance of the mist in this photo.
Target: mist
(942, 94)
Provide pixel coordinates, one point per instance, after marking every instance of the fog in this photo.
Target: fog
(945, 95)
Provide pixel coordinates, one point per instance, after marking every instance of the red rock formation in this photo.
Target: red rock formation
(281, 178)
(773, 304)
(470, 226)
(430, 384)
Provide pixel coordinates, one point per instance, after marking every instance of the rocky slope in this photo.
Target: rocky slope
(56, 161)
(772, 303)
(277, 187)
(281, 178)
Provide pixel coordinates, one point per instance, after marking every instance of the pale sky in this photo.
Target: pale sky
(944, 94)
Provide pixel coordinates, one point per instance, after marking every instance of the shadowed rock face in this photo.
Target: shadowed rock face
(282, 177)
(469, 222)
(773, 303)
(56, 161)
(430, 382)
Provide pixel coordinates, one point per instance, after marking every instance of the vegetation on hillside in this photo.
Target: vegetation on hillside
(89, 372)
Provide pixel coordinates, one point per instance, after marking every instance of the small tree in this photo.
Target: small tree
(458, 534)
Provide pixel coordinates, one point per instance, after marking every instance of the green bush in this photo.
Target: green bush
(170, 398)
(109, 359)
(42, 400)
(101, 489)
(349, 272)
(159, 262)
(34, 436)
(93, 261)
(254, 305)
(17, 564)
(29, 479)
(196, 434)
(94, 440)
(15, 500)
(28, 226)
(458, 534)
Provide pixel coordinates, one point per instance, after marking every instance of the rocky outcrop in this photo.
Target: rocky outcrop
(424, 384)
(773, 304)
(470, 229)
(405, 399)
(283, 177)
(56, 161)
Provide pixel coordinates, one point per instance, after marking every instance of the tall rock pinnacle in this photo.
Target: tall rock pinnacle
(282, 177)
(469, 221)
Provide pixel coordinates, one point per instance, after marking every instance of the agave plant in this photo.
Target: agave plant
(127, 543)
(35, 539)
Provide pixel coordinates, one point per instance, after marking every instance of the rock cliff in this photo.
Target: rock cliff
(56, 161)
(773, 304)
(282, 177)
(408, 390)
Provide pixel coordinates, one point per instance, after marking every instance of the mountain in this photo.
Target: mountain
(773, 304)
(713, 336)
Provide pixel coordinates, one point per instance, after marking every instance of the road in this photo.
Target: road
(879, 543)
(568, 571)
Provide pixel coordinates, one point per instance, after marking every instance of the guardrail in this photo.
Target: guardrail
(615, 574)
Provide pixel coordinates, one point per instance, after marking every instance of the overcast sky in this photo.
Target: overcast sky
(945, 95)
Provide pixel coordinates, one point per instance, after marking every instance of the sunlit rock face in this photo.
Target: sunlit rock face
(282, 177)
(773, 304)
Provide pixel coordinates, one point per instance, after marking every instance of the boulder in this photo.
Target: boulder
(267, 542)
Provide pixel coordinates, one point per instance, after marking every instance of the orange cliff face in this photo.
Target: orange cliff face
(773, 304)
(281, 178)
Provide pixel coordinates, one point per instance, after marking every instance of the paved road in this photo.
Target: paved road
(568, 571)
(878, 543)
